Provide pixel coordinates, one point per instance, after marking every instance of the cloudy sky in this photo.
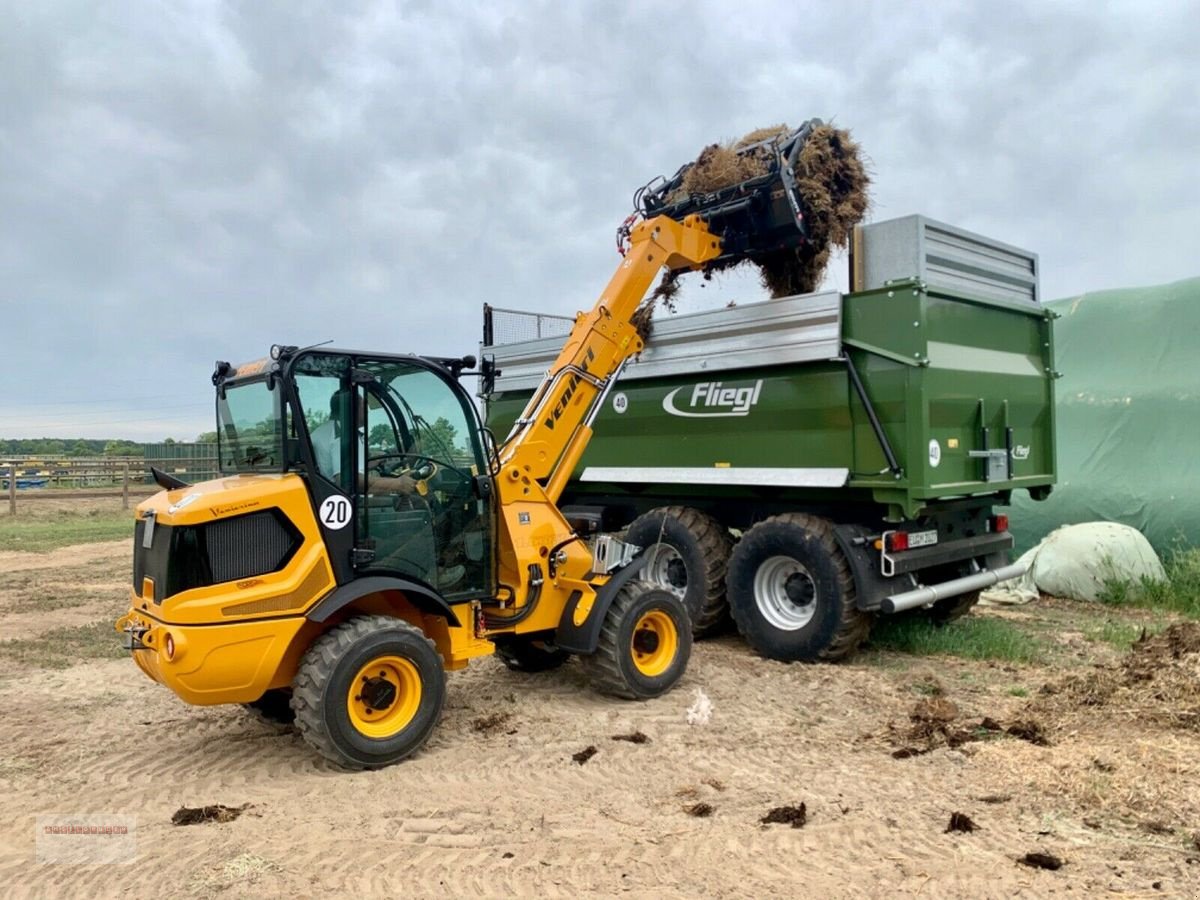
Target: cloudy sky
(192, 180)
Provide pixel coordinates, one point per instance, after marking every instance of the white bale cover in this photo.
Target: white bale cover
(1076, 561)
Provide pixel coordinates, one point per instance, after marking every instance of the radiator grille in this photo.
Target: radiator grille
(192, 556)
(246, 546)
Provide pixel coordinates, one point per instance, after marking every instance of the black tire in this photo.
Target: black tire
(689, 551)
(274, 707)
(525, 654)
(645, 643)
(791, 591)
(327, 712)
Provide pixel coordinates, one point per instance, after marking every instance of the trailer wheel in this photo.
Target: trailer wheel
(369, 692)
(645, 643)
(274, 707)
(525, 654)
(791, 591)
(687, 551)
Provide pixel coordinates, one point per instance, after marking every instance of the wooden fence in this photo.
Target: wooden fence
(77, 477)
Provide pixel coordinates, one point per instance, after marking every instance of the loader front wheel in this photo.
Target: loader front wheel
(369, 692)
(791, 591)
(645, 643)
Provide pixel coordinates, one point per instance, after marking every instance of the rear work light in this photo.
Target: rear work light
(999, 523)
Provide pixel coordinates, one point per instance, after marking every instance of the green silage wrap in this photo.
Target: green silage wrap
(1128, 408)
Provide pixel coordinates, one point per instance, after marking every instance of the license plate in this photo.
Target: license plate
(921, 538)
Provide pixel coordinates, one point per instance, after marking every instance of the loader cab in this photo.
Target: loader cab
(393, 450)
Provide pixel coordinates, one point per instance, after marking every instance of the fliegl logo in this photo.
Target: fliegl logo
(710, 399)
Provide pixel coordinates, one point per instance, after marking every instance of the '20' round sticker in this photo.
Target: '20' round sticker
(335, 512)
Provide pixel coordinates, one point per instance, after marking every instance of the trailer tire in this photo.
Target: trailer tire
(687, 550)
(401, 687)
(792, 593)
(530, 655)
(645, 643)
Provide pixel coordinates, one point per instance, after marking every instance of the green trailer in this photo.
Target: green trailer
(809, 462)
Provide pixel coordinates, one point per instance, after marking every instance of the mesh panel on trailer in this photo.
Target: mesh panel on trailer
(510, 326)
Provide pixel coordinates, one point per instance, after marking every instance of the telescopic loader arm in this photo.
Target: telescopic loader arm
(551, 434)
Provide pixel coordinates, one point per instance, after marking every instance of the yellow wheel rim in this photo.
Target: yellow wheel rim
(655, 643)
(384, 697)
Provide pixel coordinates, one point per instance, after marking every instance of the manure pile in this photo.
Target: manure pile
(1158, 681)
(833, 185)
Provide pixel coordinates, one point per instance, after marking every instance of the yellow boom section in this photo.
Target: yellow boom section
(551, 434)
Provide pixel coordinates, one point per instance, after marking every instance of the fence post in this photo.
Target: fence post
(125, 486)
(12, 489)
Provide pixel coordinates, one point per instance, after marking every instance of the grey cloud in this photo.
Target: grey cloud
(189, 181)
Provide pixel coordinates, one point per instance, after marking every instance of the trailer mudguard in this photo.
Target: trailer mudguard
(584, 638)
(422, 596)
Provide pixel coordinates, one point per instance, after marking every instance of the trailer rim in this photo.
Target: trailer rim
(666, 568)
(785, 593)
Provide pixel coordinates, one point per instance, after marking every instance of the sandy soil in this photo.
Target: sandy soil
(504, 810)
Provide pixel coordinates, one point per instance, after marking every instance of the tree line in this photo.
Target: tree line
(77, 446)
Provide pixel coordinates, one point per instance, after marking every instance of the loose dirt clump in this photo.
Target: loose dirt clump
(1042, 861)
(832, 181)
(1158, 682)
(585, 754)
(796, 816)
(195, 815)
(1029, 730)
(635, 738)
(961, 822)
(490, 723)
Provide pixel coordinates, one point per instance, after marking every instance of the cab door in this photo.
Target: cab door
(424, 515)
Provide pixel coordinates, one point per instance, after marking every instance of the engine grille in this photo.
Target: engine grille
(191, 556)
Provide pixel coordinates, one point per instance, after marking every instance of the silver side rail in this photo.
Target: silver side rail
(923, 596)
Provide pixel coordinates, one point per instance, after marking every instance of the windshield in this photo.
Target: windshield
(250, 428)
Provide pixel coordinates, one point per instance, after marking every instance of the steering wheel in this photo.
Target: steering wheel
(416, 466)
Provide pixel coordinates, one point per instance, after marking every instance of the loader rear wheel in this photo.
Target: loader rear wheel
(687, 551)
(791, 591)
(529, 655)
(369, 692)
(645, 643)
(274, 706)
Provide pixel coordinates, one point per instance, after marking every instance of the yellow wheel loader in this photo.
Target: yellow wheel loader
(367, 533)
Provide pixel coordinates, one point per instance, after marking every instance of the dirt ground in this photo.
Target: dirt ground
(496, 805)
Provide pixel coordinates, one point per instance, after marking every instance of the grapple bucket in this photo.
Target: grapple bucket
(753, 217)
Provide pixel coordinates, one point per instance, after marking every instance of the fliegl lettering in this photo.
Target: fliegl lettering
(572, 384)
(710, 399)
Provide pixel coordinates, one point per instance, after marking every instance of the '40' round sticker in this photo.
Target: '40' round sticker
(335, 512)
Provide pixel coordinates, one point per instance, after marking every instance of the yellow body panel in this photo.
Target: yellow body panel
(232, 663)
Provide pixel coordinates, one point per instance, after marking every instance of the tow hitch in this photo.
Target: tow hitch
(131, 636)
